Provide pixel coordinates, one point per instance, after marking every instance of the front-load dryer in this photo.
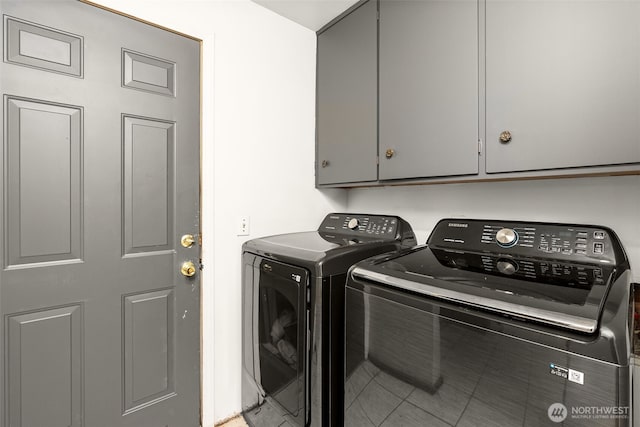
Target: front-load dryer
(293, 316)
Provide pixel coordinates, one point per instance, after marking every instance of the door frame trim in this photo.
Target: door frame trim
(144, 21)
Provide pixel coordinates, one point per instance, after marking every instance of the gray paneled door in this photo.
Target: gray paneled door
(100, 179)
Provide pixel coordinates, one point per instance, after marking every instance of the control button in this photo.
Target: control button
(598, 248)
(507, 267)
(581, 240)
(581, 246)
(555, 249)
(581, 252)
(566, 251)
(507, 237)
(582, 234)
(353, 223)
(598, 235)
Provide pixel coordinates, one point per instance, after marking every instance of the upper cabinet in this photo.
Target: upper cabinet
(453, 90)
(428, 88)
(562, 84)
(347, 97)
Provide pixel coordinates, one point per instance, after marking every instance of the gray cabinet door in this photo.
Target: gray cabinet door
(428, 88)
(347, 99)
(100, 167)
(563, 77)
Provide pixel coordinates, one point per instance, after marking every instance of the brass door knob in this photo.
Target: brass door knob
(187, 240)
(505, 136)
(389, 154)
(188, 269)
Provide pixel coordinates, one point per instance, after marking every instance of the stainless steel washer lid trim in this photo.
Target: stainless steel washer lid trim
(530, 313)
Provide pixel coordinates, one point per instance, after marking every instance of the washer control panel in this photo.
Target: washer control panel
(363, 225)
(541, 240)
(552, 271)
(507, 237)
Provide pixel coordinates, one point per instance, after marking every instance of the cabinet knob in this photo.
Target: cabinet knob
(505, 137)
(389, 154)
(325, 163)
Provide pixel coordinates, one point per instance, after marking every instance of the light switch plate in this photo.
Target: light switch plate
(243, 226)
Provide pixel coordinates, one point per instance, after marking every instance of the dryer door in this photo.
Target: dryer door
(282, 335)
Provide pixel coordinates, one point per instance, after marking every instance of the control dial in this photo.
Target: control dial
(353, 223)
(507, 267)
(506, 237)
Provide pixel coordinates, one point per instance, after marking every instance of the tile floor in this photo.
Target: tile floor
(234, 422)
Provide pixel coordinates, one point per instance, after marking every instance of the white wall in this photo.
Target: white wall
(607, 201)
(258, 157)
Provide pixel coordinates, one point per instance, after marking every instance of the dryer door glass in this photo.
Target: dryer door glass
(282, 334)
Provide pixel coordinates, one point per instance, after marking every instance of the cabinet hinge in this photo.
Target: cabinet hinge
(480, 146)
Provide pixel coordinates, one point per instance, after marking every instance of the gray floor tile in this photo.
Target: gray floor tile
(356, 417)
(377, 402)
(479, 414)
(407, 415)
(462, 377)
(370, 368)
(394, 385)
(356, 382)
(289, 396)
(265, 415)
(447, 403)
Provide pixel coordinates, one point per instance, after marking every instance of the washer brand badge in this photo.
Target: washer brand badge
(559, 371)
(458, 225)
(557, 412)
(296, 277)
(568, 374)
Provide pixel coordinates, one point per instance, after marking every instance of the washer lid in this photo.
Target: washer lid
(341, 241)
(310, 246)
(509, 269)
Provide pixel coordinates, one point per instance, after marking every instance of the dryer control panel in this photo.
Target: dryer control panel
(577, 243)
(386, 227)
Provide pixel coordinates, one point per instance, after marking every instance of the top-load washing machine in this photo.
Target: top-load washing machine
(492, 323)
(293, 316)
